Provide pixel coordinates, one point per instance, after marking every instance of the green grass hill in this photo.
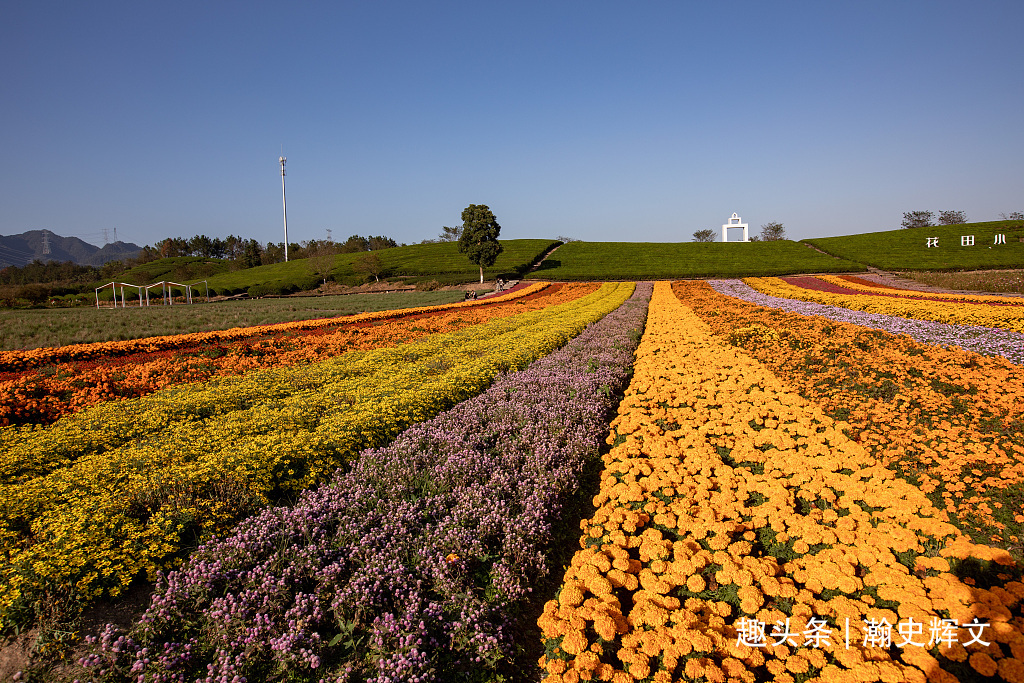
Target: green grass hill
(906, 249)
(440, 262)
(660, 261)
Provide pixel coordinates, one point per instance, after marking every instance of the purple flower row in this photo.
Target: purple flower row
(989, 341)
(409, 566)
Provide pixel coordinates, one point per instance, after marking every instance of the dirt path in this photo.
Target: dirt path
(543, 258)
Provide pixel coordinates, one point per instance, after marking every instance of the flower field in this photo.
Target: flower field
(947, 420)
(977, 338)
(955, 310)
(809, 478)
(41, 385)
(851, 284)
(128, 487)
(408, 566)
(742, 534)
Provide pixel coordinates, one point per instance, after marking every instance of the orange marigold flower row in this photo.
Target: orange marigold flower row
(726, 497)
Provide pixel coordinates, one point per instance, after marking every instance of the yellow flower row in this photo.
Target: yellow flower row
(727, 500)
(142, 480)
(852, 283)
(954, 313)
(22, 359)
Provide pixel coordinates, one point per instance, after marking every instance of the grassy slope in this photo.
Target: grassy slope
(655, 261)
(442, 262)
(184, 269)
(29, 329)
(905, 249)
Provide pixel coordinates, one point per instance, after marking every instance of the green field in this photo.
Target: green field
(661, 261)
(418, 262)
(906, 249)
(35, 328)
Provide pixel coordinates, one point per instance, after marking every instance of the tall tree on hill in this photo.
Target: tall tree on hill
(479, 240)
(952, 217)
(773, 232)
(917, 219)
(450, 234)
(368, 264)
(377, 242)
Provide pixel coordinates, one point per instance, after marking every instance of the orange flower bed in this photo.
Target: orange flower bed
(740, 535)
(44, 394)
(948, 420)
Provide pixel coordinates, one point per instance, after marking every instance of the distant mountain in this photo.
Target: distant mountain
(20, 250)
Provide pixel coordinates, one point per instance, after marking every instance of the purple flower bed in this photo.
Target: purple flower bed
(989, 341)
(411, 565)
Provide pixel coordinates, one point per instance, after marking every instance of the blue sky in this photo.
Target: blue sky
(595, 120)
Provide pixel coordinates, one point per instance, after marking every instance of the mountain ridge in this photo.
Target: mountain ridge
(22, 249)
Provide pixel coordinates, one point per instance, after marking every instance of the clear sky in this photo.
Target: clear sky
(613, 121)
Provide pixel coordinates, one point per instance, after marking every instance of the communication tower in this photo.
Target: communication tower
(284, 208)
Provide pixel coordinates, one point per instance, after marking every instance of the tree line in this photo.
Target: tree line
(38, 281)
(249, 253)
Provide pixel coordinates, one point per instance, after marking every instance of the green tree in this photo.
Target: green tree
(355, 244)
(450, 234)
(377, 242)
(917, 219)
(705, 235)
(368, 264)
(952, 217)
(479, 240)
(773, 232)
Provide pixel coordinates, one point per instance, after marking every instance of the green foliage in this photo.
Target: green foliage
(659, 261)
(184, 269)
(479, 239)
(907, 249)
(369, 264)
(952, 217)
(918, 219)
(772, 232)
(705, 235)
(441, 262)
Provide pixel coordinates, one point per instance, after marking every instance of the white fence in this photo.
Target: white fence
(166, 297)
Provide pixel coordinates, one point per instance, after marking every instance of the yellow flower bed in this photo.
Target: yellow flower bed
(954, 313)
(736, 526)
(132, 485)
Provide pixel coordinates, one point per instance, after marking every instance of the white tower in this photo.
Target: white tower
(284, 207)
(734, 222)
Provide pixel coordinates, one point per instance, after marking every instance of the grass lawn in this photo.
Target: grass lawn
(34, 328)
(907, 249)
(659, 261)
